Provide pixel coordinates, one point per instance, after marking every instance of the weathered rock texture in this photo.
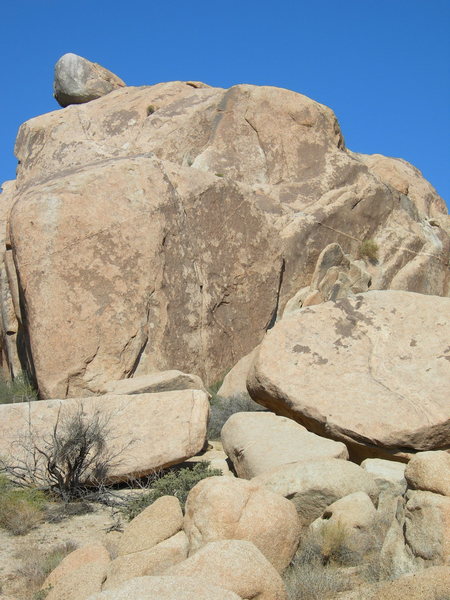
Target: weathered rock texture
(235, 565)
(167, 226)
(78, 80)
(362, 370)
(258, 442)
(223, 508)
(147, 431)
(315, 484)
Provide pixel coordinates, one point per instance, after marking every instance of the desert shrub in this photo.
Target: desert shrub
(36, 565)
(175, 482)
(222, 409)
(20, 509)
(369, 250)
(314, 581)
(70, 462)
(17, 390)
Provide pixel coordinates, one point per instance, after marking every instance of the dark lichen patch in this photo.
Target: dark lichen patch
(338, 344)
(345, 327)
(319, 360)
(301, 349)
(413, 342)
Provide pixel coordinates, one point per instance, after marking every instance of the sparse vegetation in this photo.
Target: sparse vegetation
(72, 461)
(20, 509)
(150, 109)
(222, 409)
(175, 482)
(220, 175)
(17, 390)
(369, 250)
(36, 565)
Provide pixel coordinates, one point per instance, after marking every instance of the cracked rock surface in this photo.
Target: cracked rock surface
(167, 226)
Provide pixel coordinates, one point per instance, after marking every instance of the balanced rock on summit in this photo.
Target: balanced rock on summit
(78, 80)
(371, 371)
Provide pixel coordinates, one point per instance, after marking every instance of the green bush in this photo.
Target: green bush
(21, 509)
(18, 390)
(174, 482)
(222, 409)
(369, 250)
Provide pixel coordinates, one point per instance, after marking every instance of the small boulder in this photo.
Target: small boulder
(235, 565)
(389, 475)
(429, 471)
(154, 561)
(346, 529)
(427, 527)
(234, 383)
(93, 553)
(258, 441)
(314, 485)
(78, 584)
(224, 508)
(78, 80)
(156, 523)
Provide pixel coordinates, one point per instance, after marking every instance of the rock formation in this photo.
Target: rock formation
(167, 226)
(364, 371)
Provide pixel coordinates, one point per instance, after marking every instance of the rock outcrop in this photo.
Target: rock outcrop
(362, 370)
(167, 227)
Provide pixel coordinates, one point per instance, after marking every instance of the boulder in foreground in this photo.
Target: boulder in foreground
(148, 431)
(364, 371)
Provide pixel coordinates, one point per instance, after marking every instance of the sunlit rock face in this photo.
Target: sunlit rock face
(167, 226)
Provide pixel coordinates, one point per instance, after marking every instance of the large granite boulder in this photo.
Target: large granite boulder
(167, 226)
(362, 370)
(143, 432)
(78, 80)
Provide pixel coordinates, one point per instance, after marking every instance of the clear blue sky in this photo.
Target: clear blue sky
(381, 65)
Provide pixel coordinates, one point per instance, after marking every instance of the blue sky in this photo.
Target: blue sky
(381, 65)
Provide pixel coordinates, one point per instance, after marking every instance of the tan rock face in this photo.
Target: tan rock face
(152, 561)
(149, 431)
(166, 588)
(94, 553)
(383, 379)
(259, 442)
(163, 381)
(156, 523)
(427, 529)
(234, 565)
(79, 584)
(167, 226)
(314, 485)
(429, 471)
(223, 508)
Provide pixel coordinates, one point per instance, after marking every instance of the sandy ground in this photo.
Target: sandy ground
(18, 552)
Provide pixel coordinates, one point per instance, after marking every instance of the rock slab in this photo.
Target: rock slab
(148, 431)
(364, 371)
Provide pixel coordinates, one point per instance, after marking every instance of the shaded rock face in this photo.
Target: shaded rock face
(78, 80)
(383, 387)
(167, 226)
